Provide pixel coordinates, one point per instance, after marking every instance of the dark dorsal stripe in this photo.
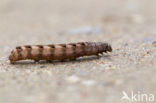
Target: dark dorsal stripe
(83, 45)
(19, 53)
(97, 47)
(29, 48)
(19, 47)
(40, 52)
(64, 47)
(73, 49)
(51, 46)
(51, 51)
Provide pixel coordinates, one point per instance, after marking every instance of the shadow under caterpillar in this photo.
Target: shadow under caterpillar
(59, 52)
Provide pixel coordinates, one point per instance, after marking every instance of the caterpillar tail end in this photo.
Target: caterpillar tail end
(11, 60)
(109, 48)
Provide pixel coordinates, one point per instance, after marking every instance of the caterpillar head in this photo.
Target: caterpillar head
(106, 47)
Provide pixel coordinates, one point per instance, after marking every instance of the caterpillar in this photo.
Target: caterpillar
(59, 52)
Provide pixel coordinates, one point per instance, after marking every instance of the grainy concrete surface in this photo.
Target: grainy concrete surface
(129, 25)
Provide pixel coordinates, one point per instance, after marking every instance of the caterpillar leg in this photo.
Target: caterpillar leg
(36, 61)
(100, 54)
(49, 61)
(73, 59)
(12, 62)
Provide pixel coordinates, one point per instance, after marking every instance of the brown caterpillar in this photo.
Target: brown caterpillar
(60, 52)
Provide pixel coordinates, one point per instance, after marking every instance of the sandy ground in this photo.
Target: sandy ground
(128, 25)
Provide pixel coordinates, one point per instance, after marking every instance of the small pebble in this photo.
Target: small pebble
(154, 43)
(72, 79)
(148, 39)
(42, 66)
(89, 82)
(125, 44)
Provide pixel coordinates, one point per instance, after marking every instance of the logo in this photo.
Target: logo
(137, 97)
